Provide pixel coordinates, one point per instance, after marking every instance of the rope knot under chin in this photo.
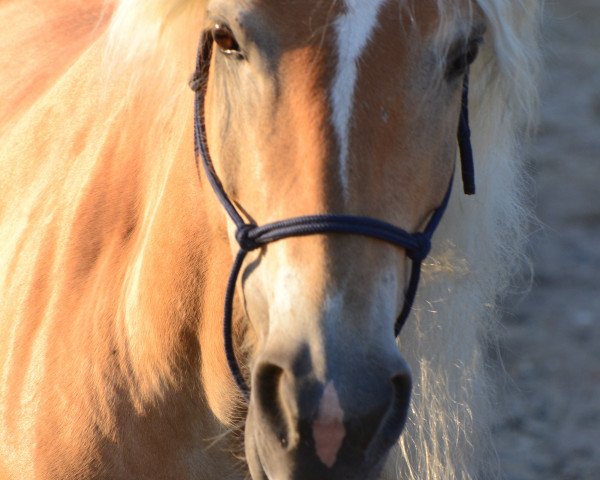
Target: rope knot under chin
(244, 238)
(421, 252)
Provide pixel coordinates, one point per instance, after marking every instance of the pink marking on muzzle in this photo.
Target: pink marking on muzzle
(328, 428)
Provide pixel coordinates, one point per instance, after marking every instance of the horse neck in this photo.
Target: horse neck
(174, 264)
(117, 249)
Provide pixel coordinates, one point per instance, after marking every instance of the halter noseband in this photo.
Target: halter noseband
(252, 237)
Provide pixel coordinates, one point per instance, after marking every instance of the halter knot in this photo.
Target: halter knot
(421, 252)
(196, 81)
(242, 235)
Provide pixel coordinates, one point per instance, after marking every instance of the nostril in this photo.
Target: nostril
(402, 383)
(396, 417)
(270, 405)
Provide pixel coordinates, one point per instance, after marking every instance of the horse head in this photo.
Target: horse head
(344, 108)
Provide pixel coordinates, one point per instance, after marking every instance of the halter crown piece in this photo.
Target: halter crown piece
(252, 237)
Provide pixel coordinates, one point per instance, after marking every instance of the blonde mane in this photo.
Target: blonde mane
(148, 52)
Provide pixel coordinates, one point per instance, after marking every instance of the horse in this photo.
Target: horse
(116, 251)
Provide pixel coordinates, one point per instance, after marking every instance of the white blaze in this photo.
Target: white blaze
(354, 29)
(328, 428)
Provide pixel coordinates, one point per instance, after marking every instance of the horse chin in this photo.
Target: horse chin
(268, 463)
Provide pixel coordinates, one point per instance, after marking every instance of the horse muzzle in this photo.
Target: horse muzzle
(303, 428)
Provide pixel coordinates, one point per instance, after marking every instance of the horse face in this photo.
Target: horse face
(330, 107)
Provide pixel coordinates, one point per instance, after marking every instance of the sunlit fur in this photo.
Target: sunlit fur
(46, 188)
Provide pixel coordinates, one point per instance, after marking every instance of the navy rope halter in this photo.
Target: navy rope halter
(252, 237)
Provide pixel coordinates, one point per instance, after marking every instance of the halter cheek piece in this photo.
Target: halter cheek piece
(252, 237)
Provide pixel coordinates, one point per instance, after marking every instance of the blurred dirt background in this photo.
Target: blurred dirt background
(550, 345)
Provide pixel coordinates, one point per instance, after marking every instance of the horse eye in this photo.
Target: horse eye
(224, 38)
(460, 59)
